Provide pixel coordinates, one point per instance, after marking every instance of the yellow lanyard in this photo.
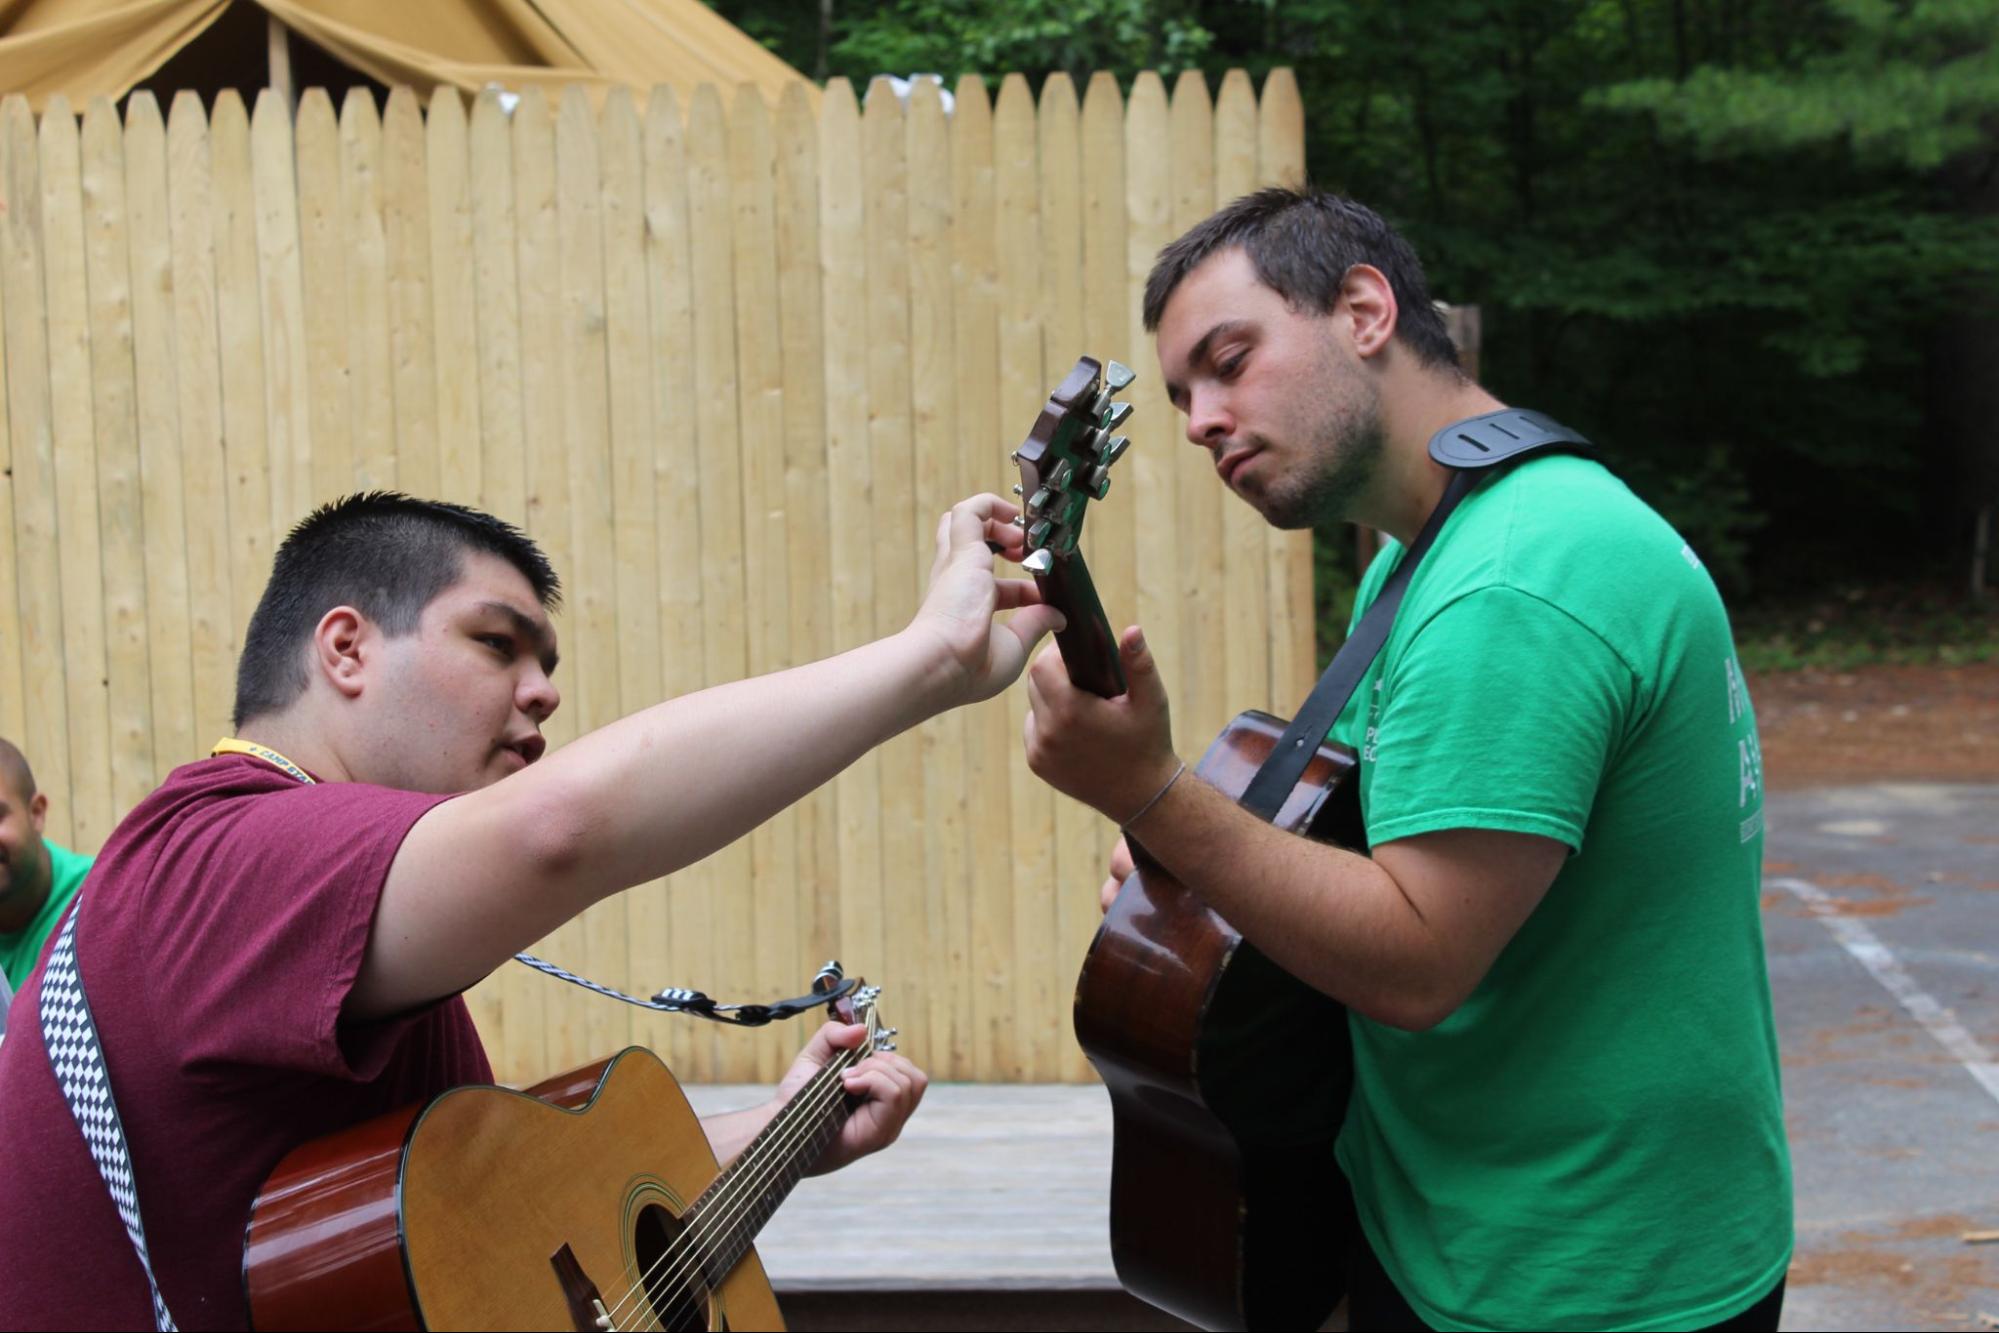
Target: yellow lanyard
(230, 745)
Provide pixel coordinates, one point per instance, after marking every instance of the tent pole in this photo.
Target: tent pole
(278, 45)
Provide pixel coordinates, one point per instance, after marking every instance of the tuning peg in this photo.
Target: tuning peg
(1013, 457)
(1113, 449)
(1117, 416)
(1039, 500)
(1021, 521)
(1117, 375)
(1037, 532)
(1016, 488)
(1100, 480)
(1039, 563)
(1065, 471)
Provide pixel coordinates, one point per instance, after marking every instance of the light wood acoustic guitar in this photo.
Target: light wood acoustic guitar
(590, 1201)
(1228, 1077)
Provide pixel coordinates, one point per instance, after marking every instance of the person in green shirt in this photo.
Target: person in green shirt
(1567, 1111)
(38, 878)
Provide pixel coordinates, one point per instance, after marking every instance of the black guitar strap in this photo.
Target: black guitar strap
(1469, 448)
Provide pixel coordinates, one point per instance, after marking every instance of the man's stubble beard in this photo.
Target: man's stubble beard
(1346, 450)
(24, 887)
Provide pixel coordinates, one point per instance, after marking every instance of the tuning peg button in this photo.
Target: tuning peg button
(1113, 449)
(1100, 480)
(1119, 413)
(1117, 375)
(1041, 562)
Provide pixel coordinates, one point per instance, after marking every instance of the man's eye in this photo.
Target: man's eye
(499, 643)
(1229, 365)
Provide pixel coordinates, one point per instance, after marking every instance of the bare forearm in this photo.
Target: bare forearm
(1332, 918)
(665, 787)
(1403, 935)
(482, 876)
(731, 1131)
(478, 877)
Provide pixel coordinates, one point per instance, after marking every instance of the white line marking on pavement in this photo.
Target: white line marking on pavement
(1876, 957)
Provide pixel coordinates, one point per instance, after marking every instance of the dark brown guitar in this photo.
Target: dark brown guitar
(590, 1201)
(1228, 1076)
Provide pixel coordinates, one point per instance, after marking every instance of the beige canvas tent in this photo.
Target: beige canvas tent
(87, 48)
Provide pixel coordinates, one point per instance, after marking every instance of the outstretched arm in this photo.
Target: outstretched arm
(484, 875)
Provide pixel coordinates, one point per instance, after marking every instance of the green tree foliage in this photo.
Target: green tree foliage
(1724, 237)
(1904, 84)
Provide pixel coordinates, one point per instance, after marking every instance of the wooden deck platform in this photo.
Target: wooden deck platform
(992, 1188)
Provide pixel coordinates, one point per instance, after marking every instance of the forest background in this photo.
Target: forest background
(1750, 246)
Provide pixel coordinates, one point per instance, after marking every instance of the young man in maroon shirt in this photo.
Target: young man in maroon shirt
(274, 942)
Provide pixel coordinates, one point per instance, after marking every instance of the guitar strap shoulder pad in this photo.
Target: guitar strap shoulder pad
(1468, 448)
(1504, 436)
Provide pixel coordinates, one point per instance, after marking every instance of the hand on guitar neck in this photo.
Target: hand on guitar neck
(1114, 755)
(1065, 463)
(1091, 693)
(888, 1087)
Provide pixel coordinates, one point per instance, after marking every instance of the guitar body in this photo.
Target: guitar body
(449, 1214)
(1228, 1080)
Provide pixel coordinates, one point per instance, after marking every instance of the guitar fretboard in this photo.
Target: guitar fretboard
(723, 1223)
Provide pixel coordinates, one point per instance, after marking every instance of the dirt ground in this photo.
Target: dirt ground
(1878, 724)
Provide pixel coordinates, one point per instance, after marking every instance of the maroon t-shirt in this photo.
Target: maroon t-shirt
(218, 936)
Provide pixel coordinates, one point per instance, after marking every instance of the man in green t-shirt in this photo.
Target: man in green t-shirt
(37, 877)
(1566, 1109)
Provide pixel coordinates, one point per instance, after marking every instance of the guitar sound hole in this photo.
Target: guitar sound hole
(675, 1286)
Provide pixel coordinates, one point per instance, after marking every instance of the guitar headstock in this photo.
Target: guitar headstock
(858, 1006)
(1066, 460)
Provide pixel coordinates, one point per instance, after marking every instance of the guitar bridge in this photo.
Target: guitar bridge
(586, 1303)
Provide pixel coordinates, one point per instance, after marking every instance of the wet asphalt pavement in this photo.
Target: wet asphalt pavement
(1881, 915)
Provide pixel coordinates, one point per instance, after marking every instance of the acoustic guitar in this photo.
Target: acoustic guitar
(1228, 1077)
(590, 1201)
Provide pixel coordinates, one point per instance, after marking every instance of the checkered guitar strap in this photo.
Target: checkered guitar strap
(71, 1036)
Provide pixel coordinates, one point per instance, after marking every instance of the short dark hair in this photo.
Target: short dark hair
(1302, 243)
(382, 553)
(15, 774)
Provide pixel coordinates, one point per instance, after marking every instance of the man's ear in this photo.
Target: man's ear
(1370, 303)
(337, 648)
(38, 812)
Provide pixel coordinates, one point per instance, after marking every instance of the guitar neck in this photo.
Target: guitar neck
(726, 1218)
(1088, 644)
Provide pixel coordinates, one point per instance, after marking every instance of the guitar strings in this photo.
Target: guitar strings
(693, 1237)
(722, 1212)
(732, 1201)
(685, 1256)
(729, 1205)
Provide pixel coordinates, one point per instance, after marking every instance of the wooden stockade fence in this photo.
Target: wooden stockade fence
(726, 363)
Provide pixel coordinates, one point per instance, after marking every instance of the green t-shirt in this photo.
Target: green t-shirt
(1596, 1137)
(20, 951)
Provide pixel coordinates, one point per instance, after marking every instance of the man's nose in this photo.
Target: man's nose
(538, 697)
(1208, 420)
